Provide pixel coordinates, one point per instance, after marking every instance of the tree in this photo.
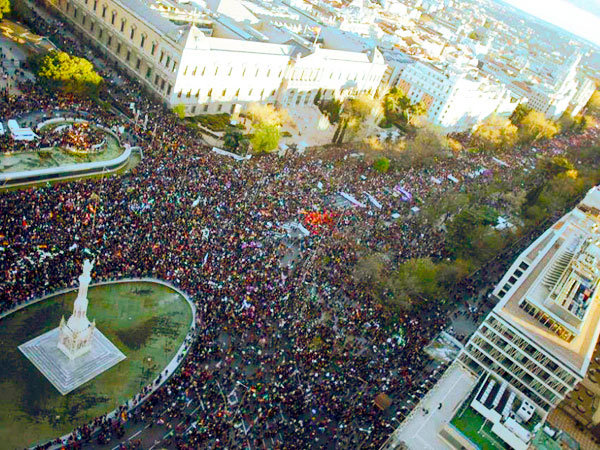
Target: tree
(496, 133)
(72, 74)
(235, 141)
(266, 138)
(398, 107)
(4, 8)
(427, 146)
(535, 126)
(593, 104)
(267, 115)
(519, 113)
(179, 110)
(382, 165)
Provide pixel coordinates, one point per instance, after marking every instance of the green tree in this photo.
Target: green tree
(235, 141)
(4, 8)
(72, 74)
(266, 138)
(398, 107)
(382, 165)
(535, 126)
(496, 133)
(179, 110)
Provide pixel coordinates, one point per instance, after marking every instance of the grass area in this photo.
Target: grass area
(215, 122)
(477, 429)
(146, 321)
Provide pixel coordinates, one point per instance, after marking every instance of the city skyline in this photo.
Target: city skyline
(580, 20)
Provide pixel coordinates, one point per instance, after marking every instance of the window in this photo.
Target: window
(168, 61)
(198, 93)
(224, 92)
(162, 55)
(153, 50)
(128, 55)
(143, 41)
(169, 90)
(104, 8)
(148, 72)
(83, 20)
(203, 70)
(100, 33)
(237, 93)
(95, 5)
(179, 94)
(123, 21)
(109, 42)
(119, 48)
(174, 66)
(138, 64)
(162, 84)
(216, 70)
(230, 71)
(75, 13)
(193, 110)
(219, 108)
(262, 93)
(210, 92)
(269, 72)
(156, 80)
(273, 93)
(132, 33)
(92, 27)
(249, 92)
(113, 17)
(189, 94)
(205, 108)
(185, 70)
(257, 70)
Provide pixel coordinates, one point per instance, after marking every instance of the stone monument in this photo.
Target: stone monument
(75, 336)
(76, 351)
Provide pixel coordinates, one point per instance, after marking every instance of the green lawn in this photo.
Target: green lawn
(471, 424)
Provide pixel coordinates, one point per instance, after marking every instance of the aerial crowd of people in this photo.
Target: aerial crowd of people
(281, 320)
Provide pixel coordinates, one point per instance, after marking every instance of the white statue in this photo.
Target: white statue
(75, 335)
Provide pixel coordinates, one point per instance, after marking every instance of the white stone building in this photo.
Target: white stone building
(238, 63)
(541, 335)
(456, 99)
(566, 90)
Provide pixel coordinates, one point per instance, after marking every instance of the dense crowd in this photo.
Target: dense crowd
(281, 322)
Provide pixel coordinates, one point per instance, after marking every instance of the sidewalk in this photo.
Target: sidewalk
(421, 428)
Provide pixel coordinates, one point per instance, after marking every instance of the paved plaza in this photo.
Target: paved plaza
(420, 430)
(64, 374)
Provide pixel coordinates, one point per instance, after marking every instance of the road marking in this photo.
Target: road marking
(134, 435)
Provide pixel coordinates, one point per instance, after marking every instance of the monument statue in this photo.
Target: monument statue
(76, 351)
(75, 335)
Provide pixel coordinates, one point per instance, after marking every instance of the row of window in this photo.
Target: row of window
(132, 33)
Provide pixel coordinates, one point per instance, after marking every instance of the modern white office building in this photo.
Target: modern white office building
(220, 59)
(566, 90)
(541, 335)
(456, 98)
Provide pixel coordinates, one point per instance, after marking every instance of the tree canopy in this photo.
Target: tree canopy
(427, 146)
(398, 107)
(267, 115)
(4, 8)
(535, 126)
(496, 133)
(69, 73)
(593, 105)
(266, 138)
(179, 110)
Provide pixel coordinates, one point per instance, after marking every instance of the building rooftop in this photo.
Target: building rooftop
(550, 292)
